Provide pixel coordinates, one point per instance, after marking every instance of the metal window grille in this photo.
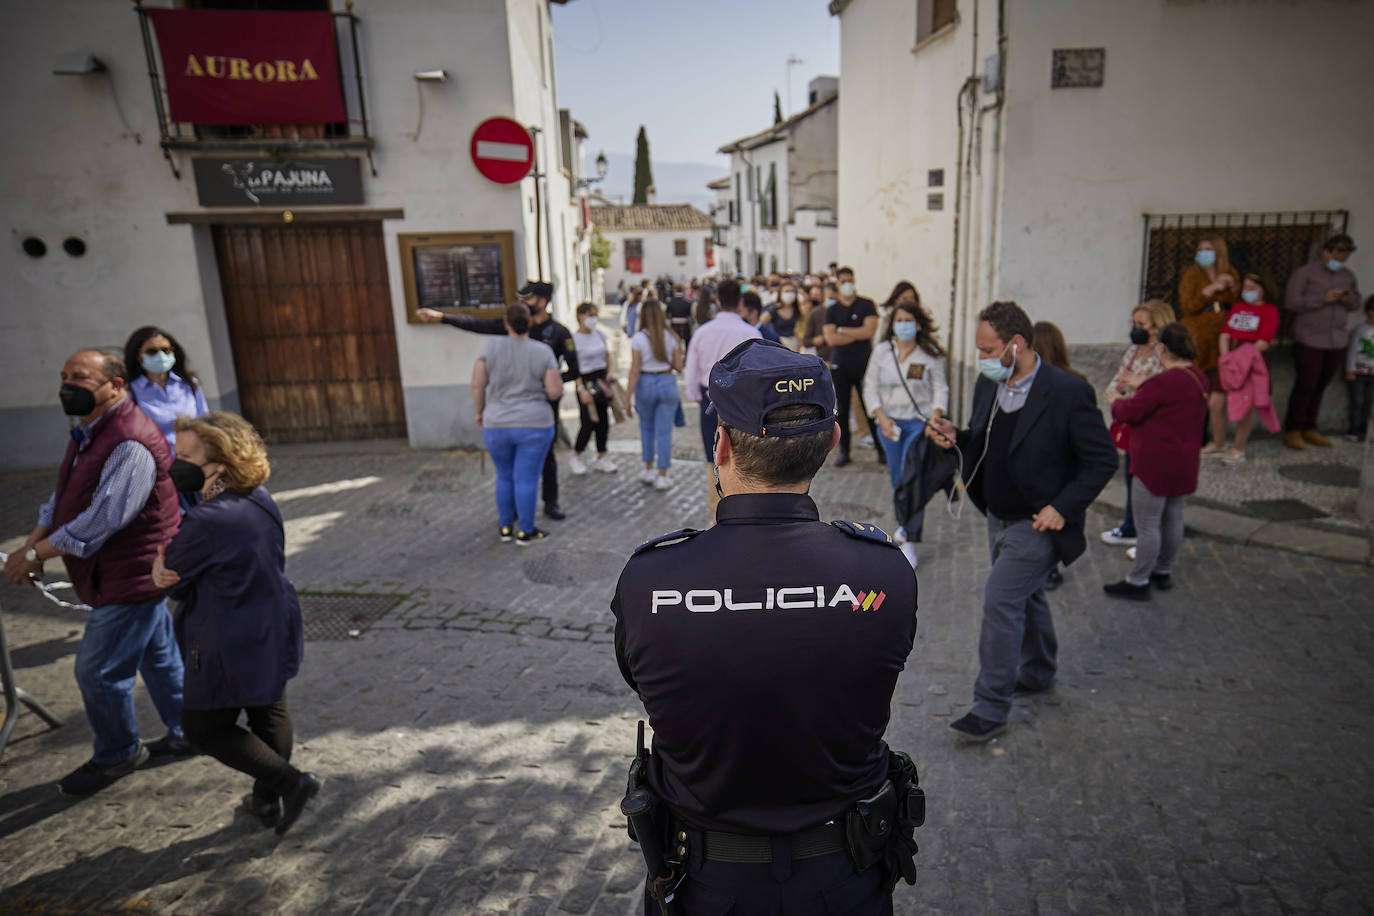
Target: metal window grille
(1270, 245)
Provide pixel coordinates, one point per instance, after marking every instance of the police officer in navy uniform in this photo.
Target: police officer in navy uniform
(766, 651)
(536, 294)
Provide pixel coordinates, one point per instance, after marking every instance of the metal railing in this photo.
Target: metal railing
(353, 133)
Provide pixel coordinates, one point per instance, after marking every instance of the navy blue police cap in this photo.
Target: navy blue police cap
(536, 288)
(760, 375)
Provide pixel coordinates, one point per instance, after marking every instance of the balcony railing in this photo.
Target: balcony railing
(351, 134)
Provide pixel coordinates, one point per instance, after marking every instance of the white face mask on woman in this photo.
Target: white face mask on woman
(591, 322)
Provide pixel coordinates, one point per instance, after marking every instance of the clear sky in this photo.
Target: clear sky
(696, 74)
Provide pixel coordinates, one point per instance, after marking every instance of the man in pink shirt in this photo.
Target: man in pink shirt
(713, 340)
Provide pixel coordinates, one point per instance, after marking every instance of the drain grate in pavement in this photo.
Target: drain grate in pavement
(329, 615)
(1327, 475)
(1282, 510)
(571, 566)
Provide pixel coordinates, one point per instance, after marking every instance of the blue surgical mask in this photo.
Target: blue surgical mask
(992, 368)
(1250, 296)
(158, 363)
(904, 331)
(1206, 258)
(1333, 265)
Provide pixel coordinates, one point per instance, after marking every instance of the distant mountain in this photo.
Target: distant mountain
(675, 182)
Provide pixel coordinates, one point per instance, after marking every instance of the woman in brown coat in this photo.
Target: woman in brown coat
(1205, 293)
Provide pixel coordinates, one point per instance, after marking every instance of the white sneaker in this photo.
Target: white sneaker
(866, 441)
(576, 464)
(1130, 553)
(1115, 536)
(647, 477)
(661, 482)
(605, 465)
(900, 536)
(909, 551)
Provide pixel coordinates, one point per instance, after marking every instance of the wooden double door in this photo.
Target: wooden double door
(310, 323)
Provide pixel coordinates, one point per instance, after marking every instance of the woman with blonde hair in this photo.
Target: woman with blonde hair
(239, 623)
(1138, 363)
(655, 354)
(1207, 290)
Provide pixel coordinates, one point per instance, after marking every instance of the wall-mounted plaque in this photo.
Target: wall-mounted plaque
(1078, 68)
(470, 273)
(278, 182)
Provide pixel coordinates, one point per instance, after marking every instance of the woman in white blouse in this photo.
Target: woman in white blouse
(906, 387)
(655, 354)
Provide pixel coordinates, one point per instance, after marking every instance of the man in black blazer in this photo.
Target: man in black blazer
(1035, 456)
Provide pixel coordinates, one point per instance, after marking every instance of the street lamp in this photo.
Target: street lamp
(601, 167)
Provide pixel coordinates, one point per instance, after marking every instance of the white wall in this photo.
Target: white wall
(74, 170)
(1205, 107)
(659, 257)
(898, 120)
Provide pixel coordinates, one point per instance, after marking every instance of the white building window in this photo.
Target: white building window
(934, 15)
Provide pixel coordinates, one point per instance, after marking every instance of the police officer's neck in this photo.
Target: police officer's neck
(749, 487)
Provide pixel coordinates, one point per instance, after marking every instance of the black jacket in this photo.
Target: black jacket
(1060, 455)
(766, 651)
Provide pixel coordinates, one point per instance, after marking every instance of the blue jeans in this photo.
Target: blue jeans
(1017, 640)
(896, 451)
(908, 431)
(121, 641)
(656, 402)
(518, 454)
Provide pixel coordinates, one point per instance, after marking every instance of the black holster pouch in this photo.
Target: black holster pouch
(882, 827)
(645, 821)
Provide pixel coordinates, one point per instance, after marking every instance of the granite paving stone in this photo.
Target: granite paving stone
(1206, 752)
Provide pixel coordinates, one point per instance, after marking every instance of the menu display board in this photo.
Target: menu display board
(469, 273)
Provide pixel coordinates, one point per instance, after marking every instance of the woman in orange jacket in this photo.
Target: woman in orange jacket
(1206, 291)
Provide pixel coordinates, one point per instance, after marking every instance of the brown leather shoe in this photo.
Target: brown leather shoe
(1315, 438)
(1293, 439)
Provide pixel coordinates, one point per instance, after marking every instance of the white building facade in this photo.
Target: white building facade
(649, 241)
(299, 314)
(1067, 154)
(780, 207)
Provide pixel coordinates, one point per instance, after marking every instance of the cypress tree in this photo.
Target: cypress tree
(644, 176)
(777, 108)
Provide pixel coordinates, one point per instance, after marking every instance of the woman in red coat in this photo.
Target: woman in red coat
(1164, 417)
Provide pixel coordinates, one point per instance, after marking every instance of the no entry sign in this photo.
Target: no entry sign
(502, 150)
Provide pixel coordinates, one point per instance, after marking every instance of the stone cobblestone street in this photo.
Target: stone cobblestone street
(1208, 752)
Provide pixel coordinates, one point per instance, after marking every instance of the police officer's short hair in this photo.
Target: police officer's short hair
(781, 460)
(1008, 320)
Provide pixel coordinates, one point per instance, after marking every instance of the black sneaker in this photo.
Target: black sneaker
(976, 730)
(294, 799)
(526, 538)
(1162, 581)
(171, 746)
(841, 459)
(507, 534)
(266, 810)
(1124, 589)
(90, 778)
(1054, 579)
(552, 511)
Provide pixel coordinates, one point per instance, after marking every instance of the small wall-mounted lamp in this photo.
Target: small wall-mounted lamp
(78, 64)
(601, 166)
(424, 76)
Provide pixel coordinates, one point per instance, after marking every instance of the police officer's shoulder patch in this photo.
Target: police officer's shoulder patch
(863, 531)
(668, 540)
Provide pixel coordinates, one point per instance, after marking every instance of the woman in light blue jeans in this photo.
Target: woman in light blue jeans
(514, 383)
(655, 354)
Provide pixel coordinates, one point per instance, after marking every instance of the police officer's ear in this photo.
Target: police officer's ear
(721, 451)
(834, 438)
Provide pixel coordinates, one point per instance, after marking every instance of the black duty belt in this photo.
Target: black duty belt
(743, 848)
